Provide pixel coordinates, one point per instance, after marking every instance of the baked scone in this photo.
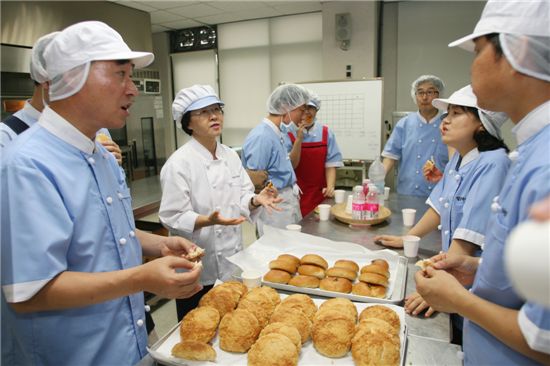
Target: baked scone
(273, 349)
(381, 262)
(268, 292)
(424, 263)
(237, 286)
(346, 263)
(277, 276)
(341, 272)
(384, 313)
(290, 258)
(224, 299)
(375, 268)
(336, 284)
(374, 278)
(259, 305)
(239, 330)
(377, 349)
(367, 289)
(302, 302)
(200, 324)
(286, 330)
(332, 333)
(344, 306)
(193, 350)
(369, 326)
(311, 270)
(195, 254)
(294, 317)
(283, 265)
(304, 281)
(315, 260)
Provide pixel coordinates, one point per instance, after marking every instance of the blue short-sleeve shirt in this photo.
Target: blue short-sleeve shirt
(413, 142)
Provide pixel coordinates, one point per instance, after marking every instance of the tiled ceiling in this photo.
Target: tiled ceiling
(170, 15)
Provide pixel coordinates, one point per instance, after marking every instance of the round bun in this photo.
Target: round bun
(273, 349)
(336, 284)
(277, 276)
(238, 331)
(365, 289)
(382, 262)
(304, 281)
(375, 268)
(341, 272)
(384, 313)
(374, 278)
(200, 324)
(344, 306)
(332, 333)
(290, 258)
(286, 330)
(344, 263)
(311, 270)
(314, 259)
(283, 265)
(194, 350)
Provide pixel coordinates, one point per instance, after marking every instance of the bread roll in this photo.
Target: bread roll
(374, 278)
(377, 349)
(314, 259)
(381, 262)
(294, 317)
(200, 324)
(336, 284)
(375, 268)
(302, 302)
(341, 272)
(344, 306)
(332, 333)
(290, 258)
(193, 350)
(311, 270)
(224, 299)
(286, 330)
(345, 263)
(304, 281)
(283, 265)
(424, 263)
(366, 289)
(277, 276)
(384, 313)
(273, 349)
(239, 330)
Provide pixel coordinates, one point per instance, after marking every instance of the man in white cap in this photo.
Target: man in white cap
(72, 272)
(510, 73)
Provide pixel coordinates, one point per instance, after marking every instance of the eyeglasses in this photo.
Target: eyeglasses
(429, 93)
(207, 112)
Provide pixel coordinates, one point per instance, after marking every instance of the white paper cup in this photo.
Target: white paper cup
(408, 216)
(410, 245)
(339, 195)
(349, 204)
(324, 212)
(252, 279)
(294, 227)
(386, 193)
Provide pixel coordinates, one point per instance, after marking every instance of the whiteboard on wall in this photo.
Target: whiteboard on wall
(353, 111)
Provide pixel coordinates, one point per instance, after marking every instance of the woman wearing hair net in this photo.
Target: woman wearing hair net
(460, 203)
(315, 156)
(416, 139)
(264, 149)
(510, 73)
(206, 193)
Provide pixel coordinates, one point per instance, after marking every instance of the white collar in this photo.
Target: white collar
(273, 126)
(63, 129)
(424, 119)
(469, 157)
(31, 111)
(532, 123)
(203, 151)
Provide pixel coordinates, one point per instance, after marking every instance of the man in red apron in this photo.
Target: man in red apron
(315, 156)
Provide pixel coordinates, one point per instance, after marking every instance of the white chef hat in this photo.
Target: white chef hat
(193, 98)
(37, 66)
(524, 34)
(314, 101)
(70, 53)
(465, 97)
(286, 98)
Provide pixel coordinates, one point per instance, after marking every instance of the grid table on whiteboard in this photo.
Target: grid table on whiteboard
(344, 114)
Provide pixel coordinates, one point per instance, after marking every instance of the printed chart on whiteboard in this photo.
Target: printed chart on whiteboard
(353, 111)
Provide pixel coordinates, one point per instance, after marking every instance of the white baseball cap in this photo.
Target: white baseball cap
(465, 97)
(523, 17)
(193, 98)
(37, 67)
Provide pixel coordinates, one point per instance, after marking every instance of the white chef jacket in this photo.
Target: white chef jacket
(194, 184)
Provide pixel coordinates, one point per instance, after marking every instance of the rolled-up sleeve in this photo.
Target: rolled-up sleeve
(534, 322)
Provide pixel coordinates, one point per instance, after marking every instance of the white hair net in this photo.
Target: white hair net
(286, 98)
(529, 55)
(492, 121)
(434, 80)
(314, 101)
(38, 67)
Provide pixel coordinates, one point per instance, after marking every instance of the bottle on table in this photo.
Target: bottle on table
(377, 175)
(358, 203)
(366, 183)
(372, 204)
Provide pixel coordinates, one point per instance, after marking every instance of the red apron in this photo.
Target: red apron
(310, 172)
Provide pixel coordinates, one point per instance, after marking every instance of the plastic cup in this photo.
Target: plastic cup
(294, 227)
(410, 245)
(252, 279)
(408, 216)
(386, 193)
(349, 204)
(324, 212)
(339, 195)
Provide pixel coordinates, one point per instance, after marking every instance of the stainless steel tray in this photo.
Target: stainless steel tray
(396, 297)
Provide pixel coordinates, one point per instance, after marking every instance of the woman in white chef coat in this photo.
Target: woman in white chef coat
(206, 192)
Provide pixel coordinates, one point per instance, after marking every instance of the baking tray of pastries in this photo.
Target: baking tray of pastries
(233, 326)
(363, 279)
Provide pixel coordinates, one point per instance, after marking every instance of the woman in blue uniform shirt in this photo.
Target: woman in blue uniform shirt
(460, 203)
(510, 73)
(416, 139)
